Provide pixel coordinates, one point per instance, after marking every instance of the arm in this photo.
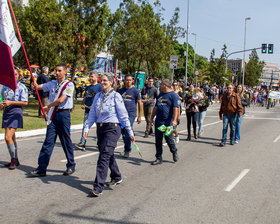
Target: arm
(239, 106)
(91, 117)
(175, 116)
(140, 108)
(83, 103)
(7, 103)
(221, 109)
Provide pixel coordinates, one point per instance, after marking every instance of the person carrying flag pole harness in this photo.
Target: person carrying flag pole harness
(108, 111)
(58, 120)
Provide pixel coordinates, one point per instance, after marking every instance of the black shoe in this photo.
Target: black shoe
(95, 193)
(113, 183)
(195, 136)
(151, 131)
(175, 157)
(68, 172)
(80, 146)
(221, 144)
(36, 173)
(125, 154)
(156, 162)
(189, 138)
(146, 135)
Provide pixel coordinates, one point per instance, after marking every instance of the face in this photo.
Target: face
(239, 88)
(128, 81)
(92, 78)
(60, 73)
(175, 85)
(105, 83)
(230, 89)
(191, 88)
(16, 74)
(150, 82)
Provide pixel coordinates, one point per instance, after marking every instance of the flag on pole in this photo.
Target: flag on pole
(9, 45)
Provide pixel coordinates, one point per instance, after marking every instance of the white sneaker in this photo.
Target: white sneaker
(164, 144)
(177, 139)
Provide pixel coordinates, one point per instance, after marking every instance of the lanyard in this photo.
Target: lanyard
(59, 85)
(105, 96)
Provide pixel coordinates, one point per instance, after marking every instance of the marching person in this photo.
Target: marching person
(149, 94)
(44, 96)
(13, 117)
(131, 97)
(89, 95)
(166, 111)
(108, 111)
(244, 102)
(202, 112)
(176, 89)
(59, 121)
(230, 108)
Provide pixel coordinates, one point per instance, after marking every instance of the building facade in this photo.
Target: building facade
(270, 76)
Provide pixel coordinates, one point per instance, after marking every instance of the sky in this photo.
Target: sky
(219, 22)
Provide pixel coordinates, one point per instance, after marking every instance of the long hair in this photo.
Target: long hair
(242, 91)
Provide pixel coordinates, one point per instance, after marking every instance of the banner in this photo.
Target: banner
(9, 45)
(274, 95)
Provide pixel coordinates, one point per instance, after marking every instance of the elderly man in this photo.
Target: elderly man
(231, 107)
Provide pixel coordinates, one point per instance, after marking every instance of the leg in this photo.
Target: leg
(126, 137)
(201, 120)
(189, 124)
(232, 122)
(9, 135)
(170, 142)
(83, 140)
(159, 137)
(194, 122)
(63, 123)
(47, 148)
(225, 128)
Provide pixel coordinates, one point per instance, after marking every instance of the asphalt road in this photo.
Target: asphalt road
(234, 184)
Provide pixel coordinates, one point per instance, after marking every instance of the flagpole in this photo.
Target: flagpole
(26, 58)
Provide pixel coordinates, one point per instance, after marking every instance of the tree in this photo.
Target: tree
(43, 27)
(253, 70)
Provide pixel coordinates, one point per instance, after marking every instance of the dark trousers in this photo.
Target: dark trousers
(169, 140)
(192, 117)
(126, 137)
(60, 126)
(107, 138)
(148, 113)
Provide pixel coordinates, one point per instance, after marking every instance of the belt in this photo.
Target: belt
(107, 124)
(62, 110)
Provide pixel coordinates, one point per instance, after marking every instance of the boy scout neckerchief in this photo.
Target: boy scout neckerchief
(58, 93)
(105, 96)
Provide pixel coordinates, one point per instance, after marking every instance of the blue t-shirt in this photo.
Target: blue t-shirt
(165, 104)
(130, 97)
(90, 93)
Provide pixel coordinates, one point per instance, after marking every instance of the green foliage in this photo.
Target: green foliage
(253, 70)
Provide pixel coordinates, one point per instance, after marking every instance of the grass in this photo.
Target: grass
(32, 121)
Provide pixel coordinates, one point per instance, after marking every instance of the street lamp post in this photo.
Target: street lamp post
(194, 68)
(246, 19)
(187, 47)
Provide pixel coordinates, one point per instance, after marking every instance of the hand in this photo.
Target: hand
(132, 138)
(7, 103)
(139, 120)
(152, 122)
(83, 107)
(1, 106)
(174, 123)
(33, 85)
(46, 109)
(85, 135)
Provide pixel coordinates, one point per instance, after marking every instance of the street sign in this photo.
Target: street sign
(173, 62)
(196, 73)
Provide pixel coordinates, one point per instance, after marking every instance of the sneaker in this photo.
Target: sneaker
(189, 138)
(200, 133)
(80, 146)
(164, 144)
(221, 144)
(16, 163)
(113, 183)
(125, 154)
(68, 172)
(236, 142)
(177, 139)
(146, 135)
(156, 162)
(232, 143)
(36, 173)
(95, 193)
(175, 157)
(12, 164)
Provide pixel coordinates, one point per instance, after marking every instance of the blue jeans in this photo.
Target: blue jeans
(169, 140)
(201, 117)
(229, 119)
(237, 129)
(83, 140)
(126, 137)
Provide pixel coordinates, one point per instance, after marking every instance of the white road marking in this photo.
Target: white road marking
(180, 132)
(276, 139)
(237, 180)
(89, 154)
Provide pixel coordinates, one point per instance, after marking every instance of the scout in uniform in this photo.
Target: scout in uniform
(107, 111)
(12, 117)
(59, 122)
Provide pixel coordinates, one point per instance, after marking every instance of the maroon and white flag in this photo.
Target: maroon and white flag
(9, 45)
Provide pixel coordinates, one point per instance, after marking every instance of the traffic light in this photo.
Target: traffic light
(264, 46)
(270, 49)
